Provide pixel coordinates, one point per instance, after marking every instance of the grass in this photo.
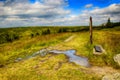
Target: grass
(50, 67)
(57, 67)
(110, 41)
(22, 48)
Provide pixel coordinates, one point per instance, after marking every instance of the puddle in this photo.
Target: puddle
(70, 53)
(72, 57)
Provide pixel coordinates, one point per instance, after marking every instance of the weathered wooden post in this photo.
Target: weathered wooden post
(91, 39)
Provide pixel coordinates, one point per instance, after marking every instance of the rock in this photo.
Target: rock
(98, 50)
(115, 76)
(43, 52)
(117, 58)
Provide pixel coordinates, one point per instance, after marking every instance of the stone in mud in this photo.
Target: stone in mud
(115, 76)
(43, 52)
(117, 58)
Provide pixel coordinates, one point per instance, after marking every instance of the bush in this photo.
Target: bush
(45, 32)
(8, 37)
(37, 34)
(62, 30)
(48, 31)
(32, 35)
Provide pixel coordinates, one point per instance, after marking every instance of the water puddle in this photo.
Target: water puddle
(72, 57)
(70, 53)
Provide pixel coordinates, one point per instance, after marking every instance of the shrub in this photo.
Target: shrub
(45, 32)
(32, 35)
(37, 34)
(60, 31)
(48, 31)
(8, 37)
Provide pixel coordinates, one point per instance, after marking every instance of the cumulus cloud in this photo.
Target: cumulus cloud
(51, 12)
(88, 5)
(100, 15)
(43, 11)
(112, 11)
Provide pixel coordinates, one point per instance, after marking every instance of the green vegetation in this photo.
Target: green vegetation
(110, 24)
(13, 34)
(22, 42)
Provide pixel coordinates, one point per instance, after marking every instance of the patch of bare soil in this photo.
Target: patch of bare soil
(70, 38)
(101, 71)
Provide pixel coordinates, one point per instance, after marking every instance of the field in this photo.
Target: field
(21, 42)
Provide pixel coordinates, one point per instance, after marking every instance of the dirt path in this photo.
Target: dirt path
(101, 71)
(96, 70)
(61, 46)
(70, 38)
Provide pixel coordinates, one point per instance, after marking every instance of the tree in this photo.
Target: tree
(48, 31)
(60, 30)
(109, 24)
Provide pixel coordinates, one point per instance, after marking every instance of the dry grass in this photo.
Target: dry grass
(50, 67)
(57, 67)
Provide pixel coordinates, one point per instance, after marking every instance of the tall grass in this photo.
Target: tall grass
(111, 43)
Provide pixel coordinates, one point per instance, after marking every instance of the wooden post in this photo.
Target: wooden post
(91, 39)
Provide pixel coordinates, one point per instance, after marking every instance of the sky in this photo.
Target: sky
(15, 13)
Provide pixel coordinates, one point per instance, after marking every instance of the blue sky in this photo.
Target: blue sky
(14, 13)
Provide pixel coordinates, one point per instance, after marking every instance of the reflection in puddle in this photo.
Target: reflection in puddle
(70, 53)
(72, 57)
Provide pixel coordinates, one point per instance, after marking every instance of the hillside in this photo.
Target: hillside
(22, 42)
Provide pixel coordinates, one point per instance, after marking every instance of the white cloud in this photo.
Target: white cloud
(88, 5)
(113, 8)
(36, 9)
(52, 12)
(100, 15)
(43, 12)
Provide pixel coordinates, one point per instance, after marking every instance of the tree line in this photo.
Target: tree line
(110, 24)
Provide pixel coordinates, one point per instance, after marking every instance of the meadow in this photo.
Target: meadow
(21, 42)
